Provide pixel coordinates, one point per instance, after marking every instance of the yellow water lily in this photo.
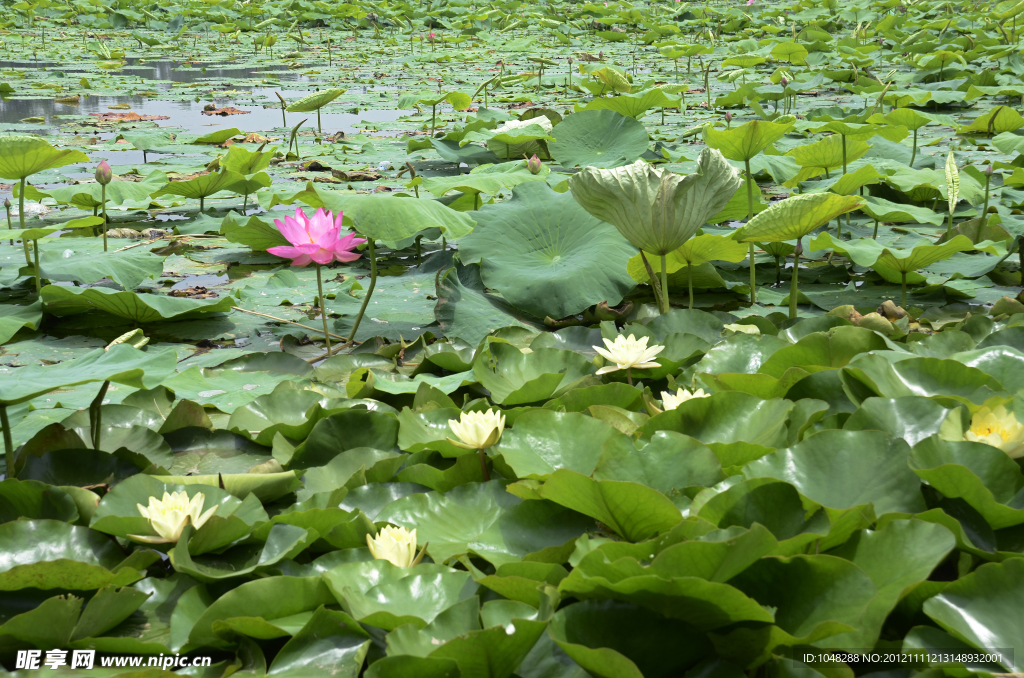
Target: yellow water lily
(397, 545)
(998, 428)
(628, 353)
(169, 516)
(672, 401)
(477, 430)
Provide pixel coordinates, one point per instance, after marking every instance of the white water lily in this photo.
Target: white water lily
(477, 430)
(169, 516)
(998, 428)
(396, 545)
(628, 353)
(672, 401)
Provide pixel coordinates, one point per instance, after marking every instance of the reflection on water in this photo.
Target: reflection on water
(187, 114)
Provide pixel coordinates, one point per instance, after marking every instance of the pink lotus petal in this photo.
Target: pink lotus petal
(349, 243)
(323, 256)
(308, 248)
(346, 257)
(327, 239)
(338, 219)
(319, 225)
(286, 251)
(303, 260)
(292, 230)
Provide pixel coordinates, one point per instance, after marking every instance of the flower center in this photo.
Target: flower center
(987, 429)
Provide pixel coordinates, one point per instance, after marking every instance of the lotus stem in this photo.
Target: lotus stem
(629, 376)
(903, 295)
(369, 291)
(913, 153)
(483, 464)
(35, 252)
(794, 291)
(8, 441)
(323, 309)
(750, 215)
(655, 287)
(984, 212)
(96, 415)
(103, 200)
(284, 106)
(874, 234)
(7, 206)
(21, 220)
(689, 282)
(664, 284)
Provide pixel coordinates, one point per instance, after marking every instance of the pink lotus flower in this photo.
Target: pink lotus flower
(315, 239)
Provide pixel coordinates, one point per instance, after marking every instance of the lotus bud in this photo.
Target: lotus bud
(989, 170)
(534, 164)
(784, 81)
(799, 249)
(728, 116)
(7, 203)
(103, 173)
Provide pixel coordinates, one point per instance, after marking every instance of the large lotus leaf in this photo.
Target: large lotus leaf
(128, 269)
(148, 140)
(122, 364)
(14, 318)
(870, 375)
(134, 194)
(546, 255)
(814, 597)
(23, 156)
(844, 469)
(796, 216)
(489, 179)
(290, 413)
(985, 609)
(891, 263)
(997, 120)
(670, 461)
(202, 186)
(201, 451)
(633, 105)
(343, 431)
(896, 557)
(817, 350)
(466, 311)
(747, 140)
(775, 505)
(881, 209)
(417, 598)
(598, 139)
(255, 233)
(912, 418)
(262, 486)
(30, 499)
(392, 218)
(283, 541)
(657, 210)
(242, 160)
(354, 468)
(485, 520)
(725, 417)
(50, 554)
(315, 101)
(611, 639)
(1003, 363)
(694, 252)
(515, 378)
(258, 606)
(542, 442)
(140, 308)
(828, 153)
(981, 475)
(704, 604)
(493, 652)
(428, 430)
(634, 511)
(331, 643)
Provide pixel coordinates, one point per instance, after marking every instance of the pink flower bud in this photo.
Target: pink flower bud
(103, 173)
(728, 116)
(784, 82)
(989, 171)
(534, 164)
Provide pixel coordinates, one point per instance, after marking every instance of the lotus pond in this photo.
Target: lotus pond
(641, 340)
